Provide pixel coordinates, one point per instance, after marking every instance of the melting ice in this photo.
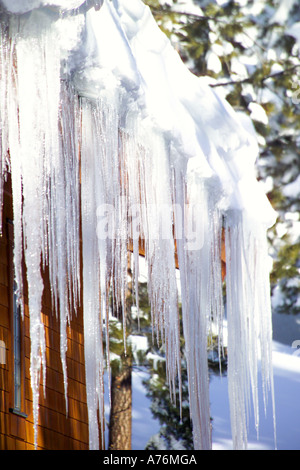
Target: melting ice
(105, 132)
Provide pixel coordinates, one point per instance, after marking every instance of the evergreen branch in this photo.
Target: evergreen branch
(159, 11)
(250, 79)
(196, 17)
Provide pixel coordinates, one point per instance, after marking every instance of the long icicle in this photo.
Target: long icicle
(249, 324)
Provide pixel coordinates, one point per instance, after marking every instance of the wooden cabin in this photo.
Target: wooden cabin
(56, 431)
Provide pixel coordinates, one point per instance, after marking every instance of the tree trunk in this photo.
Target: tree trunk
(121, 403)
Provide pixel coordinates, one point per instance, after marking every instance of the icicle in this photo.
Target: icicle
(249, 322)
(63, 224)
(6, 66)
(10, 139)
(160, 254)
(31, 74)
(91, 274)
(201, 293)
(105, 237)
(44, 166)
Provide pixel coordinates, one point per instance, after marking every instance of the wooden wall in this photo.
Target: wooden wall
(56, 431)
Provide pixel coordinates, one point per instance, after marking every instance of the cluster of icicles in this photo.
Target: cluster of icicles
(96, 166)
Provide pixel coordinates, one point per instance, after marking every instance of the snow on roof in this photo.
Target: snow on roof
(25, 6)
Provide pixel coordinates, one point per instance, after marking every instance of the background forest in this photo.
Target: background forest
(249, 51)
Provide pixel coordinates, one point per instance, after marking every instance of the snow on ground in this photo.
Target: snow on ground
(287, 391)
(286, 363)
